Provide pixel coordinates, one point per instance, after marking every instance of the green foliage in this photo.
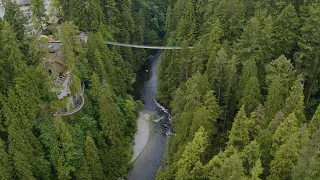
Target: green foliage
(88, 15)
(279, 78)
(67, 154)
(256, 171)
(285, 158)
(314, 124)
(308, 56)
(295, 101)
(275, 98)
(6, 166)
(232, 15)
(308, 160)
(285, 130)
(38, 10)
(206, 116)
(15, 18)
(251, 93)
(190, 162)
(109, 114)
(23, 146)
(239, 134)
(251, 157)
(242, 47)
(239, 61)
(221, 167)
(70, 44)
(93, 159)
(11, 57)
(36, 146)
(286, 30)
(101, 58)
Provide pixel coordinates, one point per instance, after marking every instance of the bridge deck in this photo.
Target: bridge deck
(146, 46)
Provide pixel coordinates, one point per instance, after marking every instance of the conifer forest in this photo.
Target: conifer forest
(241, 82)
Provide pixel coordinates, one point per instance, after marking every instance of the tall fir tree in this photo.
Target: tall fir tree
(286, 30)
(15, 18)
(279, 78)
(308, 160)
(93, 159)
(6, 169)
(314, 124)
(307, 57)
(190, 160)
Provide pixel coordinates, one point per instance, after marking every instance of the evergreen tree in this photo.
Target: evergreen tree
(65, 162)
(88, 15)
(251, 93)
(93, 160)
(255, 43)
(108, 112)
(285, 158)
(190, 159)
(250, 156)
(279, 77)
(219, 66)
(232, 15)
(206, 116)
(23, 147)
(256, 171)
(214, 46)
(111, 14)
(124, 24)
(295, 101)
(286, 30)
(70, 44)
(232, 168)
(285, 130)
(308, 55)
(255, 33)
(187, 27)
(248, 44)
(249, 69)
(283, 68)
(239, 134)
(308, 160)
(50, 139)
(6, 170)
(215, 38)
(266, 40)
(314, 124)
(230, 88)
(83, 172)
(38, 10)
(275, 98)
(10, 57)
(100, 57)
(15, 18)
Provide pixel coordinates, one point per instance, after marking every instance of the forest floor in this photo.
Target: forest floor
(142, 135)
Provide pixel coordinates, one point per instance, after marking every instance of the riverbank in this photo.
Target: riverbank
(142, 136)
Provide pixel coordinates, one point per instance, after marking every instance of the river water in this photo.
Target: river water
(145, 89)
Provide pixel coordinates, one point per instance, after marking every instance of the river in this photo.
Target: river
(145, 88)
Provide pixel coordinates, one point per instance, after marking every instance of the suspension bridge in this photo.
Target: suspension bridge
(147, 46)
